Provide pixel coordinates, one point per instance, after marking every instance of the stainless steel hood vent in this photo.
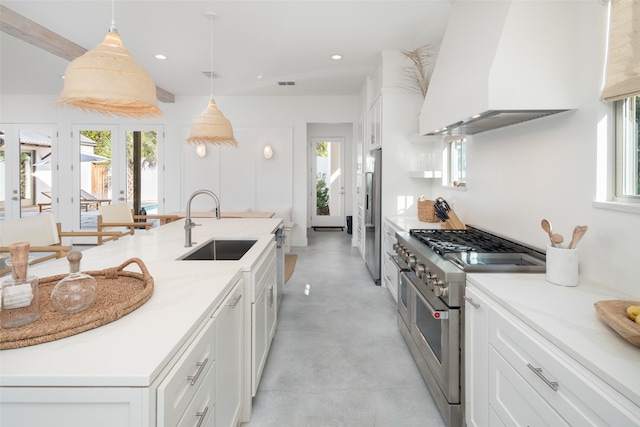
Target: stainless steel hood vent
(497, 66)
(490, 120)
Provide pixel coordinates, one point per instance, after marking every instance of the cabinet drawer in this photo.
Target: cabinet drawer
(577, 395)
(514, 401)
(179, 387)
(200, 412)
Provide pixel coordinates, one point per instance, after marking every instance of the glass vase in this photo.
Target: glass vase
(75, 292)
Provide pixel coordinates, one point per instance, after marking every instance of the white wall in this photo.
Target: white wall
(245, 113)
(546, 168)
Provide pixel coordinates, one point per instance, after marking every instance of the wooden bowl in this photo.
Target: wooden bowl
(614, 314)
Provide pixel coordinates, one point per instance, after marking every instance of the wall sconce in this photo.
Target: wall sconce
(201, 149)
(268, 152)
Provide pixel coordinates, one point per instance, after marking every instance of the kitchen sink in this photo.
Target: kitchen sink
(219, 250)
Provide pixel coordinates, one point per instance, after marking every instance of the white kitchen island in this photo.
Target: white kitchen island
(115, 370)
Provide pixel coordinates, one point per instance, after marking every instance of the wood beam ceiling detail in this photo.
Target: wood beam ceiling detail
(33, 33)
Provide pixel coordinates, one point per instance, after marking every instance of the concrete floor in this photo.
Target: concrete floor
(338, 358)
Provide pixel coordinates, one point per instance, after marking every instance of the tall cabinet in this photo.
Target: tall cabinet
(389, 115)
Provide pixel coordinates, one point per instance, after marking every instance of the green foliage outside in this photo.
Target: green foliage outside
(322, 149)
(103, 147)
(322, 195)
(322, 191)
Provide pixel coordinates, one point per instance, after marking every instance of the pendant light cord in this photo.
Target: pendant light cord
(211, 58)
(113, 28)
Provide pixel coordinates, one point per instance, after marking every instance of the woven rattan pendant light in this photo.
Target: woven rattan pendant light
(108, 80)
(211, 126)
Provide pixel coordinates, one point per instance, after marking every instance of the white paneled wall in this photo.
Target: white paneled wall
(240, 176)
(274, 177)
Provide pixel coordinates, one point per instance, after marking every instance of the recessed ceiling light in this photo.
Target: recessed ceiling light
(260, 76)
(160, 56)
(336, 56)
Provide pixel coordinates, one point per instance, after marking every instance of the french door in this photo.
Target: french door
(71, 175)
(26, 180)
(114, 164)
(96, 155)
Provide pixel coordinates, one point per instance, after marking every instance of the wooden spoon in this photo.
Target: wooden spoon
(546, 226)
(578, 232)
(555, 238)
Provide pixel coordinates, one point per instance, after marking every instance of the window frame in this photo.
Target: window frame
(626, 129)
(455, 161)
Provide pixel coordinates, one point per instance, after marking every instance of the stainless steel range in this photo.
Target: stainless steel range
(432, 267)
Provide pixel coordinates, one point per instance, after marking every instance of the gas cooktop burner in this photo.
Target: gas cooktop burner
(468, 240)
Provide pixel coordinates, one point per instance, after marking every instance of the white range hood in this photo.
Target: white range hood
(501, 63)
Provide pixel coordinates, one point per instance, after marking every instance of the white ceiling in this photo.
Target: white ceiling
(280, 40)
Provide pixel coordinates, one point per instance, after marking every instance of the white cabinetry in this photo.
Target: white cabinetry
(389, 269)
(375, 124)
(229, 324)
(74, 406)
(190, 378)
(530, 381)
(204, 387)
(202, 383)
(261, 318)
(476, 358)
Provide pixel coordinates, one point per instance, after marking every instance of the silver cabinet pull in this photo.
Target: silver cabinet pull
(235, 301)
(271, 296)
(200, 365)
(202, 415)
(553, 385)
(471, 301)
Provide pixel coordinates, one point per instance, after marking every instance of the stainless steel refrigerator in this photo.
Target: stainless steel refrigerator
(372, 221)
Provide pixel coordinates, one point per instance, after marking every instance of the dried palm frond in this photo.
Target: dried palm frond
(418, 74)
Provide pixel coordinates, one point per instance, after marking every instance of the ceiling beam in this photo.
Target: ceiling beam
(33, 33)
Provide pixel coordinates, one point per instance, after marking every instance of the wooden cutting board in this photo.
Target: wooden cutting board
(614, 314)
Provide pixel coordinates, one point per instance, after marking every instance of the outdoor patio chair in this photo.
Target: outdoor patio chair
(89, 199)
(120, 217)
(44, 236)
(86, 201)
(45, 204)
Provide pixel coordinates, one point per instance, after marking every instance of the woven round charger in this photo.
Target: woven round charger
(119, 293)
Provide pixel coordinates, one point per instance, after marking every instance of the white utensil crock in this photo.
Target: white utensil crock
(562, 266)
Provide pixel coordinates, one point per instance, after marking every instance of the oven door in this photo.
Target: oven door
(404, 284)
(436, 330)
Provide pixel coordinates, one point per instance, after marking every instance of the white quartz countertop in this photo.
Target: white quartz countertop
(131, 351)
(406, 223)
(566, 317)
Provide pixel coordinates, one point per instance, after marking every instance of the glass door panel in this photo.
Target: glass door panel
(93, 157)
(328, 191)
(94, 165)
(25, 170)
(142, 171)
(37, 149)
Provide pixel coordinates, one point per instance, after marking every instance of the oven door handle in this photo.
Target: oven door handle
(436, 314)
(397, 261)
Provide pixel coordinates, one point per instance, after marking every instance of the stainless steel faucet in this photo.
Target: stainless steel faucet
(188, 224)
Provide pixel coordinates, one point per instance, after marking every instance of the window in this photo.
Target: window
(627, 167)
(455, 159)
